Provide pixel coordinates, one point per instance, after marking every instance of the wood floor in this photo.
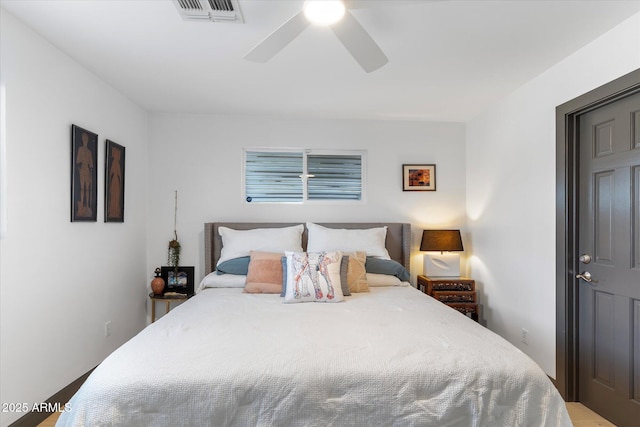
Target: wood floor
(51, 421)
(581, 416)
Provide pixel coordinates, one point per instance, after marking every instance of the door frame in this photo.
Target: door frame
(567, 215)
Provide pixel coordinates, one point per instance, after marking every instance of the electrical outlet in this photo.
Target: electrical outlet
(525, 336)
(107, 328)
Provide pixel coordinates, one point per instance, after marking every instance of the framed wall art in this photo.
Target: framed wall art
(114, 183)
(84, 174)
(418, 177)
(181, 283)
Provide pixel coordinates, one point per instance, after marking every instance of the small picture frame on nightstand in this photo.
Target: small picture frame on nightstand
(178, 280)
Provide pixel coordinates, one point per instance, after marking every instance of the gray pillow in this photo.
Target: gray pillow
(387, 266)
(284, 276)
(235, 266)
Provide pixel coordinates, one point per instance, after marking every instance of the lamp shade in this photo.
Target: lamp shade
(441, 240)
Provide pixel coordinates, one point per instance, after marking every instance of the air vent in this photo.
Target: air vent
(210, 10)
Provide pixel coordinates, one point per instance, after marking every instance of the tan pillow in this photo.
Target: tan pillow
(356, 273)
(265, 273)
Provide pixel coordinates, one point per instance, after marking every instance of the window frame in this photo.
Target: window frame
(305, 153)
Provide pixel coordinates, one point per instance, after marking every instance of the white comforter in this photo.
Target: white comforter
(390, 357)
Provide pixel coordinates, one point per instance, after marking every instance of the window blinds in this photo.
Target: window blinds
(334, 177)
(273, 176)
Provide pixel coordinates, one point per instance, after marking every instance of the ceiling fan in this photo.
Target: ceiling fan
(335, 14)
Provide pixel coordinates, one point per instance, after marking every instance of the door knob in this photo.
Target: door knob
(586, 276)
(585, 258)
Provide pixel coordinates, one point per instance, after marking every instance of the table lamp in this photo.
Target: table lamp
(444, 263)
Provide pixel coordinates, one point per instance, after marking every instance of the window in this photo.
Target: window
(303, 176)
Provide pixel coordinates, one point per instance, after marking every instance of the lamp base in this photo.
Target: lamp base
(445, 264)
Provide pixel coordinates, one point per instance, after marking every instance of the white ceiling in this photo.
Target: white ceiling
(448, 60)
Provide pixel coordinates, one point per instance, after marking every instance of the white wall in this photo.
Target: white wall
(201, 157)
(511, 190)
(60, 281)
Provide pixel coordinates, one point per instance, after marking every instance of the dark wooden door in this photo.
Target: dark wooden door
(609, 234)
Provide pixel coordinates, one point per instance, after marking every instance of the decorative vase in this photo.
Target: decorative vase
(157, 284)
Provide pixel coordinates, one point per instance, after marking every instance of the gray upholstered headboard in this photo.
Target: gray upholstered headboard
(398, 237)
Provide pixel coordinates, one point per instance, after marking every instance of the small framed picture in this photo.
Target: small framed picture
(84, 174)
(114, 183)
(178, 280)
(418, 177)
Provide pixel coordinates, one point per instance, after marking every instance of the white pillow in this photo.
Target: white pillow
(215, 280)
(313, 277)
(371, 240)
(239, 243)
(378, 280)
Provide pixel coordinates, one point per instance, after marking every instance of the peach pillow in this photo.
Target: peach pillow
(265, 273)
(356, 273)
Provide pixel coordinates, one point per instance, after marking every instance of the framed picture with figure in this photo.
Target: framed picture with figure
(84, 174)
(114, 183)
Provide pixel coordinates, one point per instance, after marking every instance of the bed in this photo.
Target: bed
(391, 356)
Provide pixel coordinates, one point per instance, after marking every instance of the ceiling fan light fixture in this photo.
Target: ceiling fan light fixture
(324, 12)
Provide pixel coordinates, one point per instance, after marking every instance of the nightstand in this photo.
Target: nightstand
(458, 293)
(168, 299)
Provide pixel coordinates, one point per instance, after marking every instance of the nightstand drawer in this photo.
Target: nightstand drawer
(458, 293)
(428, 285)
(455, 296)
(469, 309)
(453, 285)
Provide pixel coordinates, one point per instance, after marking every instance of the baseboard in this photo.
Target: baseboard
(60, 398)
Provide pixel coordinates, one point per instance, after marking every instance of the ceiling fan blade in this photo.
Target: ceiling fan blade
(276, 41)
(359, 43)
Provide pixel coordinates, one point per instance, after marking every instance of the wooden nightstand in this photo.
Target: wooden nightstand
(457, 292)
(168, 299)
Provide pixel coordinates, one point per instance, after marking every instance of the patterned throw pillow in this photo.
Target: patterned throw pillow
(355, 274)
(313, 277)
